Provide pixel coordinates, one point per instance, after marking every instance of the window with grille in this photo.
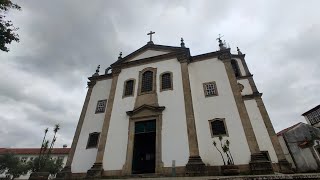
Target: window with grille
(217, 127)
(128, 90)
(166, 81)
(235, 68)
(210, 89)
(314, 117)
(101, 106)
(147, 81)
(93, 140)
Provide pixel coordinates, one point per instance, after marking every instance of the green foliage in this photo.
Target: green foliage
(46, 165)
(7, 30)
(11, 165)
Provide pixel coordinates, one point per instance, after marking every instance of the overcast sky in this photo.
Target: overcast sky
(43, 78)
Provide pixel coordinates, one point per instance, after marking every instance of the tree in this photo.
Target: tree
(11, 165)
(51, 165)
(7, 30)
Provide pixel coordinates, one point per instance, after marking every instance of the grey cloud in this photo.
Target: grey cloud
(44, 76)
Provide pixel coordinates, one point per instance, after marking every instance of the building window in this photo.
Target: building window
(210, 89)
(93, 140)
(314, 117)
(147, 81)
(166, 81)
(128, 88)
(235, 68)
(101, 106)
(218, 127)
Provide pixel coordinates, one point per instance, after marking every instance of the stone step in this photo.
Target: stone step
(309, 176)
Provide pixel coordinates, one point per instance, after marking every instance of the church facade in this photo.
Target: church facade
(160, 109)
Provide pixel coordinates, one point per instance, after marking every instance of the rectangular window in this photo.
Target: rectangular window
(210, 89)
(93, 140)
(101, 106)
(128, 88)
(314, 117)
(166, 81)
(218, 127)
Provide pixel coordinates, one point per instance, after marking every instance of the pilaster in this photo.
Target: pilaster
(195, 166)
(96, 170)
(284, 165)
(247, 126)
(66, 173)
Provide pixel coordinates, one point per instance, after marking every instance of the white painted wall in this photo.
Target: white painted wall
(260, 129)
(84, 158)
(286, 151)
(247, 88)
(221, 106)
(174, 130)
(148, 53)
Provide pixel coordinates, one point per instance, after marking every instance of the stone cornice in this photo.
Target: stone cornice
(150, 47)
(100, 77)
(222, 55)
(244, 77)
(251, 96)
(145, 106)
(238, 55)
(152, 59)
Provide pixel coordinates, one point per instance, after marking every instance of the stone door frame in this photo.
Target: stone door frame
(157, 116)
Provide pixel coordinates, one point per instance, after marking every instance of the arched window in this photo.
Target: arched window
(147, 81)
(128, 88)
(218, 127)
(166, 81)
(235, 68)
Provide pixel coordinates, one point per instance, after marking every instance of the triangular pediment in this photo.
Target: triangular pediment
(148, 51)
(145, 110)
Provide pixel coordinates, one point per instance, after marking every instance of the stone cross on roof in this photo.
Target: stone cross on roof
(150, 34)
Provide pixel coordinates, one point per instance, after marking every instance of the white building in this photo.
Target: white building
(28, 154)
(160, 108)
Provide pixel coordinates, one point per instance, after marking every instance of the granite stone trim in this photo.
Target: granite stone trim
(106, 122)
(160, 81)
(150, 46)
(96, 169)
(205, 89)
(148, 60)
(207, 56)
(154, 81)
(79, 126)
(273, 136)
(144, 114)
(244, 77)
(151, 97)
(124, 88)
(251, 96)
(191, 126)
(247, 126)
(225, 127)
(100, 77)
